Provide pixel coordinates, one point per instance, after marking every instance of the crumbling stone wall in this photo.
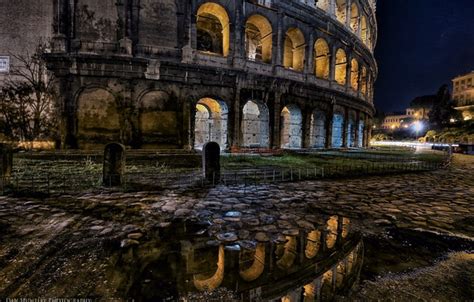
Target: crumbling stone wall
(131, 71)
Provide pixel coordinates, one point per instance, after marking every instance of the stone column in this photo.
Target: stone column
(357, 129)
(280, 41)
(275, 122)
(309, 66)
(348, 13)
(306, 135)
(188, 121)
(238, 28)
(345, 128)
(348, 71)
(332, 67)
(329, 123)
(235, 130)
(332, 8)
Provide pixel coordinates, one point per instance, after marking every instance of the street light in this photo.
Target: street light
(418, 127)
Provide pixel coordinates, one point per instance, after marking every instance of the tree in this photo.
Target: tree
(27, 98)
(443, 108)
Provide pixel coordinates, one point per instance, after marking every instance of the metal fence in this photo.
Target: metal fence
(69, 183)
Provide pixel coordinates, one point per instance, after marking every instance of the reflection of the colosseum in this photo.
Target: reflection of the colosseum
(310, 266)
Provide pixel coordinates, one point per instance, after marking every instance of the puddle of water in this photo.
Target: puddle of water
(185, 264)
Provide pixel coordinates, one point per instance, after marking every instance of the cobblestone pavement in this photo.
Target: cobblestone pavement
(34, 233)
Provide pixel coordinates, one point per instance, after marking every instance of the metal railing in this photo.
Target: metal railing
(70, 183)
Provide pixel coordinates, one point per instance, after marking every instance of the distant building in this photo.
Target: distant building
(463, 95)
(394, 121)
(420, 107)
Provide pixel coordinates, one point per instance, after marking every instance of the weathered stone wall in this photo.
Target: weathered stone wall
(131, 71)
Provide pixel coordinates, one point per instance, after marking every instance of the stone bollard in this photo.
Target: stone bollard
(6, 164)
(114, 165)
(211, 153)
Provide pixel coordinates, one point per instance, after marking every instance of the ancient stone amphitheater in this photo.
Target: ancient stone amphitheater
(174, 74)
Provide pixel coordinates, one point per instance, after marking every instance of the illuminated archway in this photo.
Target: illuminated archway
(209, 284)
(341, 11)
(322, 59)
(258, 265)
(255, 125)
(288, 253)
(355, 74)
(258, 39)
(341, 67)
(210, 123)
(213, 32)
(354, 17)
(291, 127)
(318, 129)
(294, 52)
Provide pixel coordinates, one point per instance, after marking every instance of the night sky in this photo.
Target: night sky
(422, 44)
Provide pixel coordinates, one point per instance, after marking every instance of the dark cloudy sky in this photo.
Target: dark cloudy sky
(422, 44)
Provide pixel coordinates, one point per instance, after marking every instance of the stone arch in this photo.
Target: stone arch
(209, 284)
(341, 67)
(341, 11)
(291, 127)
(325, 5)
(313, 244)
(318, 129)
(210, 123)
(354, 17)
(331, 231)
(213, 29)
(258, 39)
(158, 120)
(294, 50)
(351, 130)
(355, 74)
(364, 30)
(322, 62)
(98, 117)
(337, 129)
(255, 127)
(258, 265)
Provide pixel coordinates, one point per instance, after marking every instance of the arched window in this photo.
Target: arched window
(341, 11)
(294, 52)
(291, 127)
(210, 123)
(354, 74)
(255, 125)
(213, 33)
(258, 39)
(322, 59)
(364, 30)
(341, 67)
(354, 17)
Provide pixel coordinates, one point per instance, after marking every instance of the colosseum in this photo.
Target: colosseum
(174, 74)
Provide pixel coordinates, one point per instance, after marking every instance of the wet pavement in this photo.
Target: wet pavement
(91, 245)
